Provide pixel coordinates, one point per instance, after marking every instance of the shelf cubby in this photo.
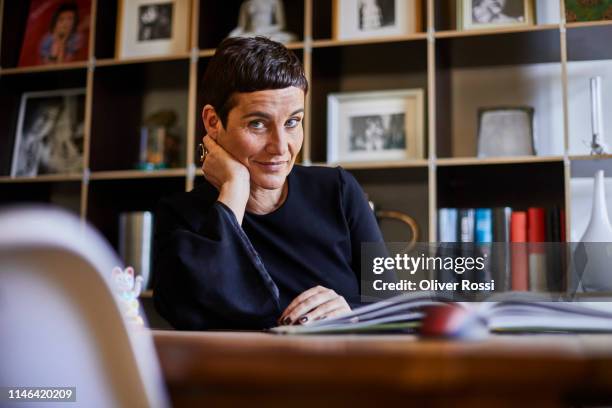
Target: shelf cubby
(513, 69)
(107, 199)
(65, 194)
(12, 89)
(124, 95)
(358, 68)
(516, 185)
(323, 19)
(398, 189)
(217, 19)
(589, 55)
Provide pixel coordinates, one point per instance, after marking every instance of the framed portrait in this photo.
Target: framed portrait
(152, 27)
(49, 138)
(505, 132)
(378, 125)
(487, 14)
(580, 10)
(57, 31)
(375, 18)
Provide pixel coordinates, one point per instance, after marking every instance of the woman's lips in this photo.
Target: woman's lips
(272, 165)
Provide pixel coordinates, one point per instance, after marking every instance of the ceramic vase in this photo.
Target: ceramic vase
(597, 240)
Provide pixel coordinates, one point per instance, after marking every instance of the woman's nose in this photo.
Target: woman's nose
(277, 143)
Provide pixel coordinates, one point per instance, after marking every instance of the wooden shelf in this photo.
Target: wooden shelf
(209, 52)
(496, 31)
(44, 178)
(44, 68)
(339, 43)
(475, 161)
(588, 24)
(376, 164)
(590, 157)
(141, 60)
(136, 174)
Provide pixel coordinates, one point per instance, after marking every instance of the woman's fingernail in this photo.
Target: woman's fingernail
(287, 321)
(303, 319)
(322, 317)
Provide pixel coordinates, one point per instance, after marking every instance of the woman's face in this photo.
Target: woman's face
(264, 132)
(65, 23)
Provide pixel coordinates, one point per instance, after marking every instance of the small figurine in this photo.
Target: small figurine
(128, 289)
(265, 18)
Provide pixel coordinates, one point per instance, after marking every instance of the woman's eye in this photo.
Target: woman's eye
(256, 124)
(291, 123)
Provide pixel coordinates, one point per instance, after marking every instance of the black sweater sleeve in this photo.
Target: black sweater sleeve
(207, 273)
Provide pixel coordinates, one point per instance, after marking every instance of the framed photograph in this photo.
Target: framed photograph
(375, 18)
(580, 10)
(57, 31)
(379, 125)
(49, 138)
(505, 132)
(152, 27)
(487, 14)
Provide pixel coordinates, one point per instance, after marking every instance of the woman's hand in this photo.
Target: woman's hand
(228, 175)
(314, 304)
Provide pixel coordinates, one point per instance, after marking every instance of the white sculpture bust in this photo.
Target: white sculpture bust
(262, 17)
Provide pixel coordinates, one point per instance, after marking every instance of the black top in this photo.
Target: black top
(211, 273)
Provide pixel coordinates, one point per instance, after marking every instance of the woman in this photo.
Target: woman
(261, 241)
(62, 43)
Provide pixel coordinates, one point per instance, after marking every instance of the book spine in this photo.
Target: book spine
(501, 248)
(447, 225)
(536, 234)
(466, 224)
(484, 225)
(519, 258)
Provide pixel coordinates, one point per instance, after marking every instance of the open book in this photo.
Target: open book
(512, 312)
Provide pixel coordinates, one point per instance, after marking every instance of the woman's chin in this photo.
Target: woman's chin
(269, 181)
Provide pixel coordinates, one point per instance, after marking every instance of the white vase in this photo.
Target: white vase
(597, 239)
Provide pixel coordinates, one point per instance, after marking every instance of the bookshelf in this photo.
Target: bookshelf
(546, 58)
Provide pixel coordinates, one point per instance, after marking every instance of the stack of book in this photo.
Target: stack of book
(529, 245)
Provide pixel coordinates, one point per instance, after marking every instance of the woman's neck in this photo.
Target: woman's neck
(263, 201)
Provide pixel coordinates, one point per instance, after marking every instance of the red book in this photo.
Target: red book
(520, 260)
(536, 225)
(536, 235)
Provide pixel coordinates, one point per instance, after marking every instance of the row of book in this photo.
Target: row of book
(526, 250)
(501, 224)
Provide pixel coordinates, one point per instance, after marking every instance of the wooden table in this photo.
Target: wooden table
(245, 368)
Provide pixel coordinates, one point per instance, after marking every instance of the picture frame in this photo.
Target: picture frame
(356, 19)
(375, 126)
(49, 136)
(506, 131)
(152, 28)
(56, 32)
(579, 11)
(479, 14)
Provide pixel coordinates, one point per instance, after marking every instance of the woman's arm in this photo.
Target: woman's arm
(320, 302)
(207, 274)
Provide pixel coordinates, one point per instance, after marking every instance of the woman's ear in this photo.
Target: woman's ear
(211, 120)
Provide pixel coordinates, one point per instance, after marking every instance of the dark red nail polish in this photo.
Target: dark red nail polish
(287, 321)
(303, 319)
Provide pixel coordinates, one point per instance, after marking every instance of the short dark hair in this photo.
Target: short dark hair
(62, 8)
(249, 65)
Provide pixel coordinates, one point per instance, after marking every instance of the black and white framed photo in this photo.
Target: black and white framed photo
(375, 126)
(487, 14)
(152, 27)
(375, 18)
(505, 131)
(49, 138)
